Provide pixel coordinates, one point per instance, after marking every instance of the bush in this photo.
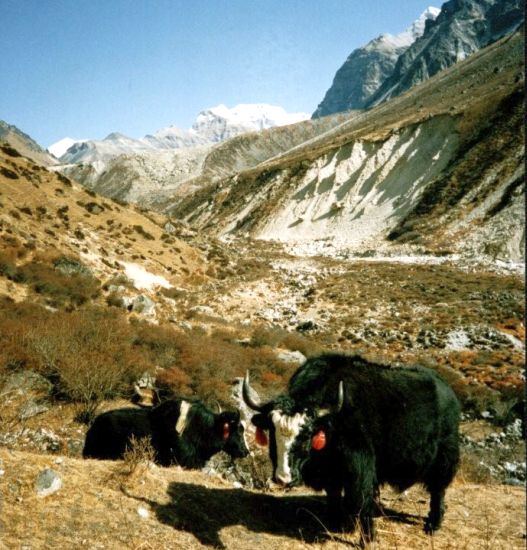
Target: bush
(87, 354)
(61, 288)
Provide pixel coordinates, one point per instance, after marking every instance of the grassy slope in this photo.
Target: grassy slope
(43, 208)
(97, 507)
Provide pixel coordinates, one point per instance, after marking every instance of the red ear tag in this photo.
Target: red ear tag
(261, 437)
(226, 431)
(318, 442)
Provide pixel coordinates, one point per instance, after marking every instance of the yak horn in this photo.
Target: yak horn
(341, 396)
(219, 407)
(250, 396)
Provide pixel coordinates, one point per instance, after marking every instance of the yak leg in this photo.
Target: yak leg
(437, 510)
(334, 507)
(360, 490)
(438, 479)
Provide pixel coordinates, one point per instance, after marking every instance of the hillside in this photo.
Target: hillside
(156, 177)
(414, 171)
(103, 505)
(28, 147)
(42, 212)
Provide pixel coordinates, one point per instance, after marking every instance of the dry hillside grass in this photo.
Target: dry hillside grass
(100, 503)
(42, 211)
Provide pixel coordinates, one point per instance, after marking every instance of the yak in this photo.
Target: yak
(181, 431)
(347, 426)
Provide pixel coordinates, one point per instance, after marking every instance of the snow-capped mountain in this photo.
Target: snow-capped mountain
(60, 147)
(220, 123)
(366, 68)
(462, 28)
(211, 126)
(389, 65)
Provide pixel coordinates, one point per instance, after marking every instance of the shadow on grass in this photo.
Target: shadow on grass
(204, 512)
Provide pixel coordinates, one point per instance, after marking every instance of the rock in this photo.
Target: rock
(169, 228)
(32, 408)
(295, 357)
(143, 304)
(71, 266)
(48, 482)
(26, 381)
(202, 310)
(45, 440)
(143, 512)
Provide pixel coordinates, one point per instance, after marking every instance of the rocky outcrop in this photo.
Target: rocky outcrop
(366, 68)
(462, 28)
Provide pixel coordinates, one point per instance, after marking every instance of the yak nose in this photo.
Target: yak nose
(283, 478)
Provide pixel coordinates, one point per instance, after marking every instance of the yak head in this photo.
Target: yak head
(200, 428)
(231, 430)
(283, 424)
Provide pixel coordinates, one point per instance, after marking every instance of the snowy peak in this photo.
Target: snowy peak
(59, 148)
(406, 38)
(211, 126)
(220, 123)
(367, 67)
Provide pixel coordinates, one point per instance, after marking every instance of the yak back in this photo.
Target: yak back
(403, 414)
(110, 434)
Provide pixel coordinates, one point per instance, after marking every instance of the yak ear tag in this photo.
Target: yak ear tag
(318, 441)
(226, 431)
(261, 437)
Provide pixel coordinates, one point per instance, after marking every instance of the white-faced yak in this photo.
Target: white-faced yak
(347, 426)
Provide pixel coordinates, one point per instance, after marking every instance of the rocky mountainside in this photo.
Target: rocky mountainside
(415, 170)
(462, 28)
(155, 177)
(42, 213)
(24, 144)
(366, 68)
(388, 66)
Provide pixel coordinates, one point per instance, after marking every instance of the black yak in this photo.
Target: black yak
(182, 432)
(347, 426)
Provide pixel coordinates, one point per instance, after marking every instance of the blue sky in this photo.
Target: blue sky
(85, 68)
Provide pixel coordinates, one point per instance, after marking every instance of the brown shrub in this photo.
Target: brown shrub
(61, 288)
(87, 354)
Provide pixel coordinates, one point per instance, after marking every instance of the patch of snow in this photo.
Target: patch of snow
(143, 279)
(60, 147)
(458, 340)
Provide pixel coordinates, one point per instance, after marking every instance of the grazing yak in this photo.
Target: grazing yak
(182, 432)
(347, 426)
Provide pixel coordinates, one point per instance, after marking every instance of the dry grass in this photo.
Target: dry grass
(189, 510)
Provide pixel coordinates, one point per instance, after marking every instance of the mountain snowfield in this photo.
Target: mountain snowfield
(60, 147)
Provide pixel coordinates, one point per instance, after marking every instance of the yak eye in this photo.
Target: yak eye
(261, 437)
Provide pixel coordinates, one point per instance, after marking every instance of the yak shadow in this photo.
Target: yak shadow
(204, 512)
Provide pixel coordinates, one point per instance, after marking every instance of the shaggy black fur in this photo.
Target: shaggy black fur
(110, 434)
(397, 426)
